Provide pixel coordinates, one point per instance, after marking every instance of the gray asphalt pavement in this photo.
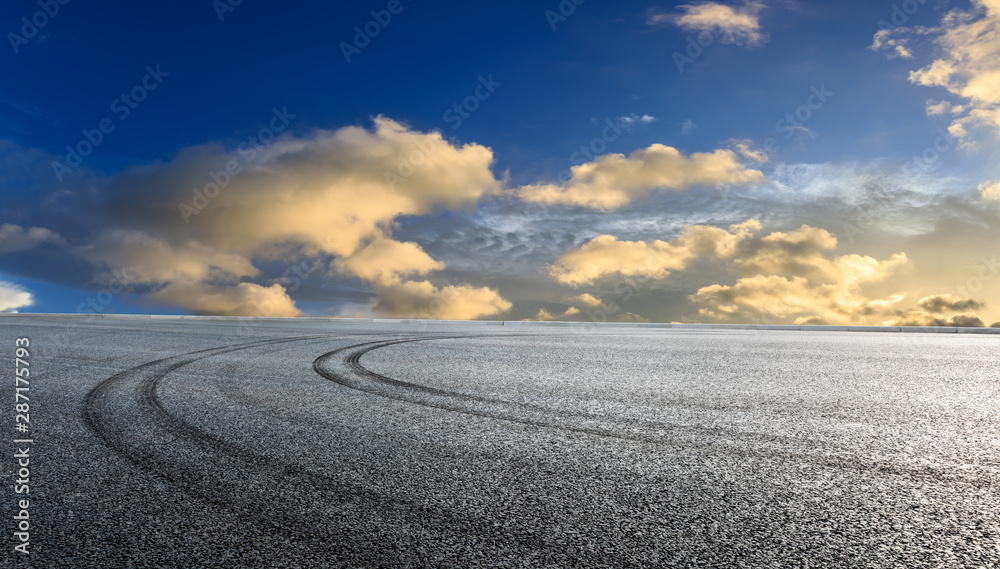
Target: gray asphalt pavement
(221, 443)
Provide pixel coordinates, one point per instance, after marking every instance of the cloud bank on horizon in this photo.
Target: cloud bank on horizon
(399, 214)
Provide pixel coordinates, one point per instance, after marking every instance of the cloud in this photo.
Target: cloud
(542, 316)
(688, 127)
(731, 24)
(895, 46)
(16, 238)
(631, 120)
(13, 297)
(154, 260)
(585, 299)
(384, 260)
(804, 253)
(613, 180)
(546, 316)
(330, 197)
(968, 63)
(421, 299)
(922, 318)
(932, 309)
(939, 303)
(795, 276)
(606, 255)
(243, 299)
(334, 190)
(990, 190)
(767, 298)
(934, 107)
(967, 320)
(191, 275)
(744, 148)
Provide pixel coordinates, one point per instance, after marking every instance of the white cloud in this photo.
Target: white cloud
(634, 119)
(733, 24)
(13, 297)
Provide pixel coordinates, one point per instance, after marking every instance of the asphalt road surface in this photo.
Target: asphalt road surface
(221, 443)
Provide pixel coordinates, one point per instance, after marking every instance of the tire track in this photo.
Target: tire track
(344, 367)
(228, 476)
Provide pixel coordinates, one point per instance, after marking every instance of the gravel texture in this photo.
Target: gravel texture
(221, 443)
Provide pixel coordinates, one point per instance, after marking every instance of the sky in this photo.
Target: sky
(763, 161)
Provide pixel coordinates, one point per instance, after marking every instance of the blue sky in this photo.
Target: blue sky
(216, 74)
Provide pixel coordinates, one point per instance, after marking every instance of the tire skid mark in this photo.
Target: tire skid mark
(344, 367)
(351, 373)
(313, 495)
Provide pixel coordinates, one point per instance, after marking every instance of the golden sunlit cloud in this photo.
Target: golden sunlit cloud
(795, 276)
(585, 299)
(384, 261)
(546, 316)
(728, 23)
(804, 253)
(542, 316)
(774, 298)
(421, 299)
(613, 180)
(242, 299)
(332, 196)
(745, 148)
(783, 277)
(968, 65)
(191, 275)
(990, 190)
(336, 189)
(606, 255)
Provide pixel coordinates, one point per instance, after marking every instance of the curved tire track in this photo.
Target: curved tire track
(344, 366)
(229, 476)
